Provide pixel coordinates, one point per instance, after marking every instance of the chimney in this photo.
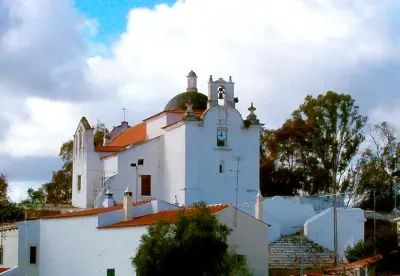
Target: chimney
(259, 206)
(109, 200)
(128, 203)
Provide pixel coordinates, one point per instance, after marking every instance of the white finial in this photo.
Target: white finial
(128, 189)
(176, 201)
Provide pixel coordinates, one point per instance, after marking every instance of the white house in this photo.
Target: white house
(8, 248)
(102, 241)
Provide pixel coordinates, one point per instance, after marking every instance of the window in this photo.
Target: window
(1, 255)
(146, 185)
(32, 255)
(111, 272)
(79, 182)
(221, 166)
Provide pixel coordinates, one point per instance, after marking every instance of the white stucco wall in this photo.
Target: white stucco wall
(10, 247)
(203, 157)
(350, 224)
(154, 126)
(174, 162)
(152, 153)
(29, 235)
(87, 163)
(74, 246)
(110, 166)
(249, 238)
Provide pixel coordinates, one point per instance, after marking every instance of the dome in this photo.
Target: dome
(192, 74)
(199, 101)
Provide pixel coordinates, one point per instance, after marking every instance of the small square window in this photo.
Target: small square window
(111, 272)
(32, 254)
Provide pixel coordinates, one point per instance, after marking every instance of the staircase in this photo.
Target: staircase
(287, 252)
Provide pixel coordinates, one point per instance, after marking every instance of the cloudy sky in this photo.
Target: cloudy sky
(61, 60)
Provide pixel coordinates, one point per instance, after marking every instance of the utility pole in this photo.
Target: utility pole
(374, 223)
(237, 189)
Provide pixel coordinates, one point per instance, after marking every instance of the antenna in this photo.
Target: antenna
(237, 158)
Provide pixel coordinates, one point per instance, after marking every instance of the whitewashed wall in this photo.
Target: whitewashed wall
(249, 238)
(89, 251)
(174, 162)
(87, 163)
(29, 235)
(350, 228)
(154, 126)
(203, 157)
(10, 246)
(151, 152)
(110, 166)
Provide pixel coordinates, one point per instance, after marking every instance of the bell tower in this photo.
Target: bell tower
(216, 87)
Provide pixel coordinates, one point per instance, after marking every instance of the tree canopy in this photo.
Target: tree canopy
(195, 244)
(312, 151)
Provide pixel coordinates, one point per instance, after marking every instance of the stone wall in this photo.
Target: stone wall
(287, 253)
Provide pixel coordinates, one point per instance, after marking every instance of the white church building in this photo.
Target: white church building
(192, 150)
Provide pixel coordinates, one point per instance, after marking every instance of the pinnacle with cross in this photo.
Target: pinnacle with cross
(124, 110)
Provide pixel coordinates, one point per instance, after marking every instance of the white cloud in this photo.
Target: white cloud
(49, 124)
(276, 52)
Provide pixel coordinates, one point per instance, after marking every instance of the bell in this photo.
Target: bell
(220, 96)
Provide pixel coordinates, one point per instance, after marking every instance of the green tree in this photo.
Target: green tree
(35, 197)
(355, 253)
(337, 133)
(9, 211)
(3, 189)
(313, 148)
(371, 177)
(195, 244)
(100, 132)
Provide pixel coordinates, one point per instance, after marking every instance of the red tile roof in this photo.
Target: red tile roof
(363, 263)
(3, 269)
(168, 216)
(132, 135)
(95, 211)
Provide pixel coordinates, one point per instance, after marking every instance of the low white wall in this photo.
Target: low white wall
(10, 245)
(11, 272)
(350, 224)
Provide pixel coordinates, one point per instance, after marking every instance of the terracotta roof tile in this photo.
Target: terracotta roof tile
(95, 211)
(130, 136)
(3, 269)
(168, 216)
(109, 148)
(363, 262)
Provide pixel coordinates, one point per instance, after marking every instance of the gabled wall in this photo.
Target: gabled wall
(203, 157)
(86, 162)
(249, 238)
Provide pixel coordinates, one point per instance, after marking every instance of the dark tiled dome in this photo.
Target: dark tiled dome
(179, 101)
